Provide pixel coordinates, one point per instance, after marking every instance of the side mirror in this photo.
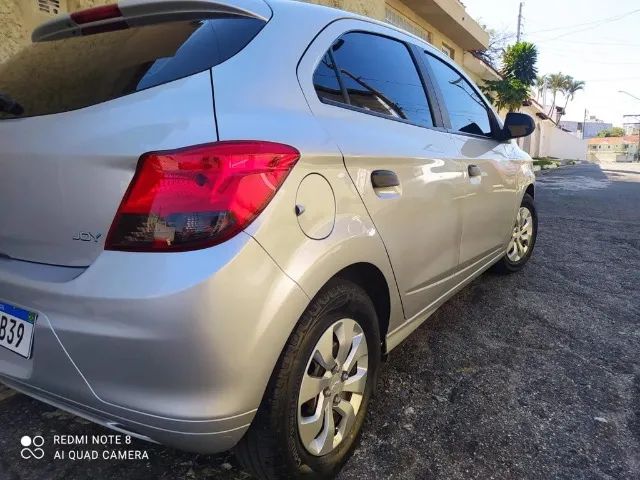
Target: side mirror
(517, 125)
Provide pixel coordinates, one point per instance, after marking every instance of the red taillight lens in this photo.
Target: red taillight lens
(96, 14)
(199, 196)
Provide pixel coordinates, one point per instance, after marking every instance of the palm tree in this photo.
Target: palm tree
(569, 91)
(541, 81)
(556, 82)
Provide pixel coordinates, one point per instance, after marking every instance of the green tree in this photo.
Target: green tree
(612, 132)
(506, 94)
(556, 83)
(541, 81)
(519, 74)
(519, 62)
(571, 87)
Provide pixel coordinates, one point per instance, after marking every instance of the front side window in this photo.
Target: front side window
(467, 112)
(379, 75)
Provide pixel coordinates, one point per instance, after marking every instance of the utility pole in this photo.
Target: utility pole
(520, 22)
(584, 123)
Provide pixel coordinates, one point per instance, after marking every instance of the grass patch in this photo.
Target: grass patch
(546, 163)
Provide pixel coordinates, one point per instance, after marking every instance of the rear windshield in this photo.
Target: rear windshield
(76, 72)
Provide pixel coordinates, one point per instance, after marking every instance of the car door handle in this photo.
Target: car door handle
(475, 171)
(384, 179)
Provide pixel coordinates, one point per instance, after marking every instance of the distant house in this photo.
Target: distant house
(589, 129)
(548, 140)
(613, 149)
(631, 130)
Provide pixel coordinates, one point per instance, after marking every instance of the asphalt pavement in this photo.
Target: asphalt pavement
(531, 376)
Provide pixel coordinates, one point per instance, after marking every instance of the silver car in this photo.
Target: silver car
(218, 216)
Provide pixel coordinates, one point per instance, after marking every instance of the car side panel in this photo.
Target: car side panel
(246, 105)
(419, 221)
(489, 199)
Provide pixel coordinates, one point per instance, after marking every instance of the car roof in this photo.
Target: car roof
(304, 8)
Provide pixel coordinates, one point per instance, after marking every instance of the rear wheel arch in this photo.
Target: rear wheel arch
(369, 278)
(373, 282)
(531, 190)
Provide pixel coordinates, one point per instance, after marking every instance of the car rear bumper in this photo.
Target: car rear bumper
(175, 348)
(209, 436)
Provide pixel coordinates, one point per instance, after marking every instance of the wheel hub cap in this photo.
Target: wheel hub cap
(521, 236)
(332, 387)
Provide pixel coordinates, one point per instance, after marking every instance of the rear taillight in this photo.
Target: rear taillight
(198, 196)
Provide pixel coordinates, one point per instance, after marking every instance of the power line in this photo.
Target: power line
(577, 31)
(605, 44)
(595, 22)
(611, 79)
(566, 54)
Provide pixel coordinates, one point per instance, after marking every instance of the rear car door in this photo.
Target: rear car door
(491, 177)
(370, 97)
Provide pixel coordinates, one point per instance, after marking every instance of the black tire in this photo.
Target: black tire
(505, 266)
(272, 448)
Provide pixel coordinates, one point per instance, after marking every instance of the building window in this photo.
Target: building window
(397, 19)
(448, 51)
(51, 7)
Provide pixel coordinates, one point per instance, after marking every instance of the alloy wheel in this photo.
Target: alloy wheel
(332, 387)
(521, 236)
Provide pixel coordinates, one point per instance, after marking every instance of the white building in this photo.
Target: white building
(548, 140)
(589, 129)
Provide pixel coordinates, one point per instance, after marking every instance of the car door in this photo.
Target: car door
(369, 95)
(490, 176)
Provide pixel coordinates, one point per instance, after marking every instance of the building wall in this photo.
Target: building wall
(533, 143)
(20, 17)
(549, 141)
(608, 157)
(631, 130)
(437, 39)
(74, 5)
(13, 32)
(623, 151)
(559, 144)
(591, 129)
(370, 8)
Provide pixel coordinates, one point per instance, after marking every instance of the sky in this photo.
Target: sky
(592, 40)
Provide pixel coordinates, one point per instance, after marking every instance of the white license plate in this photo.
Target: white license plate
(16, 329)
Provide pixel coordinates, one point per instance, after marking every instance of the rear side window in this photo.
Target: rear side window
(326, 81)
(467, 112)
(379, 75)
(76, 72)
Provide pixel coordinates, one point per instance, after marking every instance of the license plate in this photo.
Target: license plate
(16, 329)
